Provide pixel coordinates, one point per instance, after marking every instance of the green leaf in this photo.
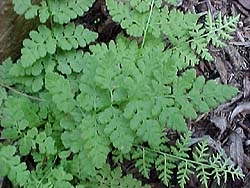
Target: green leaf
(16, 111)
(27, 142)
(63, 97)
(36, 47)
(220, 29)
(71, 36)
(96, 144)
(21, 6)
(12, 167)
(117, 128)
(115, 179)
(151, 132)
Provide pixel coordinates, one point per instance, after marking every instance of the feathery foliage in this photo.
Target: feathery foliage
(60, 11)
(72, 110)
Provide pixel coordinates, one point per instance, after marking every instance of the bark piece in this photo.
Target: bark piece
(13, 29)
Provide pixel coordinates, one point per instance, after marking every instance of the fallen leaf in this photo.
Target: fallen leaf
(245, 107)
(245, 4)
(220, 122)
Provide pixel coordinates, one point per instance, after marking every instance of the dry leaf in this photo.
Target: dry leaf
(245, 107)
(245, 4)
(220, 122)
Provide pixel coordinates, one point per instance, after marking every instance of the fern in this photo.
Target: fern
(178, 157)
(220, 29)
(45, 41)
(201, 157)
(144, 160)
(96, 144)
(133, 15)
(60, 11)
(181, 29)
(12, 166)
(71, 110)
(115, 179)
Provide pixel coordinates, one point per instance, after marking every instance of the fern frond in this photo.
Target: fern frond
(201, 155)
(109, 99)
(41, 43)
(62, 97)
(44, 41)
(222, 168)
(220, 29)
(60, 11)
(165, 165)
(144, 160)
(133, 15)
(185, 168)
(96, 144)
(12, 166)
(115, 179)
(70, 36)
(203, 164)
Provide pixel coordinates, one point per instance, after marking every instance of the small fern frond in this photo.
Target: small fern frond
(180, 150)
(60, 11)
(222, 168)
(133, 15)
(185, 168)
(201, 155)
(44, 41)
(220, 29)
(202, 163)
(12, 166)
(165, 165)
(96, 144)
(41, 43)
(69, 61)
(144, 160)
(71, 36)
(115, 179)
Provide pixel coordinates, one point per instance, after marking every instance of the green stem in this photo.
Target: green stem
(148, 22)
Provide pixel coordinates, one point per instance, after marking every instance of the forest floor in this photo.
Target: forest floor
(227, 127)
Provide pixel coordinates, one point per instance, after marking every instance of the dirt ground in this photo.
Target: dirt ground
(227, 128)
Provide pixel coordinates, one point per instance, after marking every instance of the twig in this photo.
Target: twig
(20, 93)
